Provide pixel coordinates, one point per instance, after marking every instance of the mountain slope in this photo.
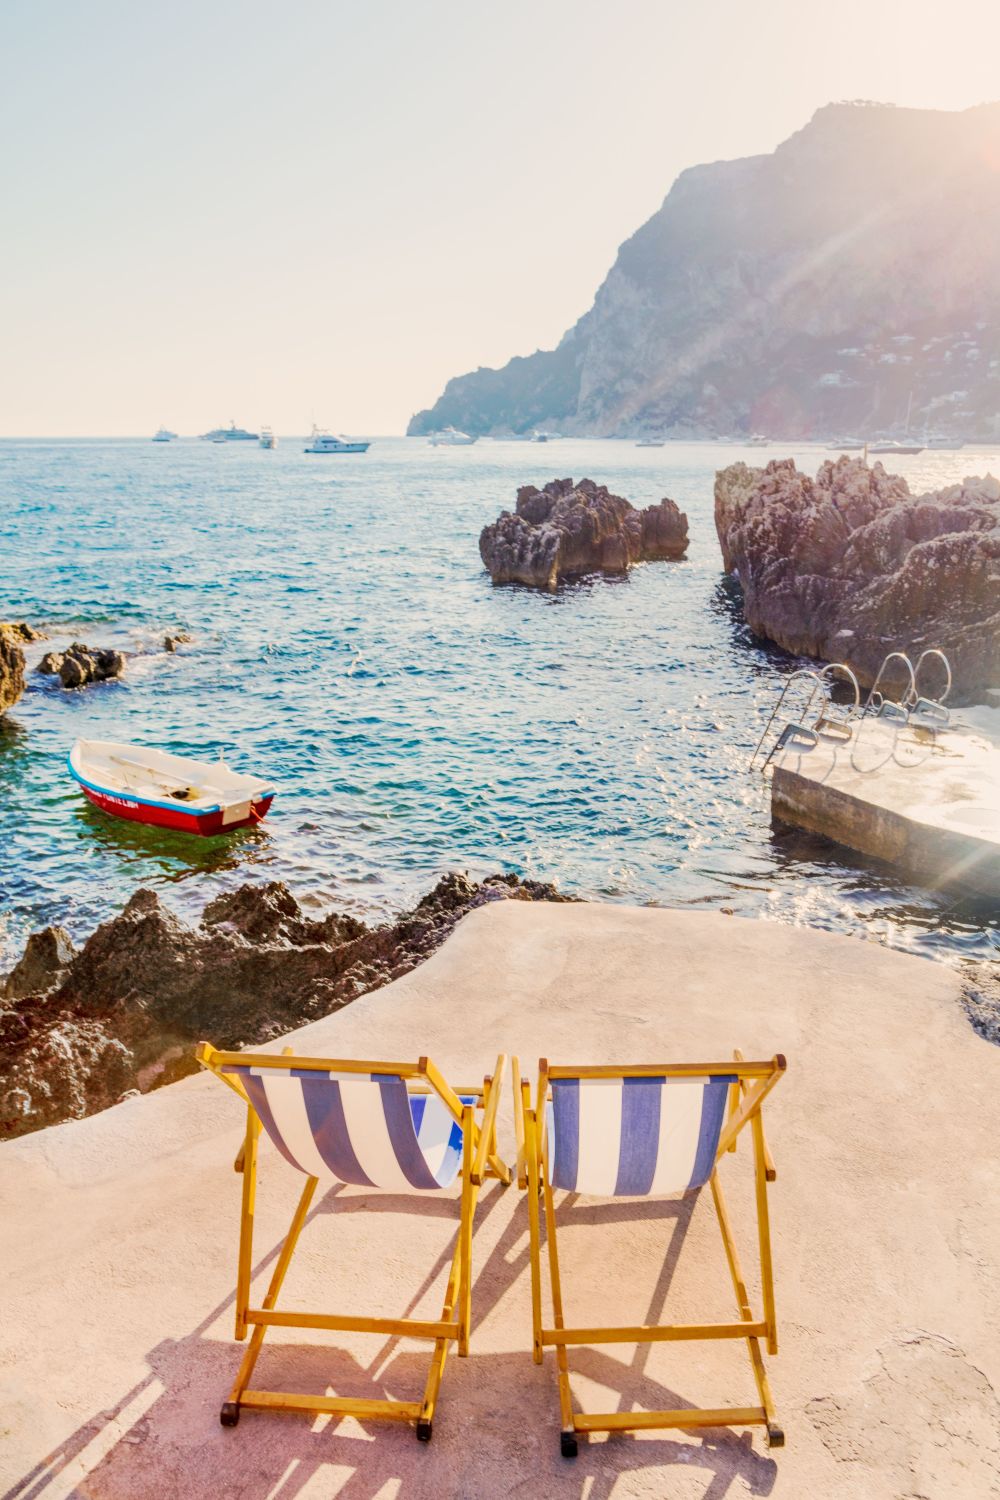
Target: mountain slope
(849, 281)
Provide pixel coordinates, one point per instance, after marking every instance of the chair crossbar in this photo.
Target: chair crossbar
(692, 1416)
(409, 1327)
(653, 1333)
(346, 1406)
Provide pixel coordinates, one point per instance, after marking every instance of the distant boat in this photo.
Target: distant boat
(891, 446)
(328, 442)
(845, 445)
(230, 434)
(650, 443)
(267, 438)
(450, 437)
(168, 791)
(950, 444)
(758, 440)
(164, 435)
(545, 437)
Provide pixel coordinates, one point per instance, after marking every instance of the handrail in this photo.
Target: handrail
(931, 651)
(801, 672)
(876, 699)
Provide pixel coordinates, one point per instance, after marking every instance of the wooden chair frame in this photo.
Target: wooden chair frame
(754, 1081)
(479, 1161)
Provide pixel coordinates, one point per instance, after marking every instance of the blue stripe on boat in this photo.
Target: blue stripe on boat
(566, 1119)
(399, 1122)
(328, 1125)
(641, 1104)
(713, 1106)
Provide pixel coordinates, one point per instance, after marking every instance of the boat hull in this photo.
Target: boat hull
(117, 805)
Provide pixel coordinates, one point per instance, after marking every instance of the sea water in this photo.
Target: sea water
(348, 644)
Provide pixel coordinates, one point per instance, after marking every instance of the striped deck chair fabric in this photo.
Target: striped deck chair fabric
(366, 1130)
(633, 1137)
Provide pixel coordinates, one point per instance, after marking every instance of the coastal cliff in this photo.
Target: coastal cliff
(847, 282)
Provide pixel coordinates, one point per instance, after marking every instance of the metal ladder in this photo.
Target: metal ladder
(828, 723)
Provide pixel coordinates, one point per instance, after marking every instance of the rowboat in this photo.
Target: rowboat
(168, 791)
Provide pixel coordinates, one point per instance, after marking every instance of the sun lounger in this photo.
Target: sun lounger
(639, 1132)
(396, 1126)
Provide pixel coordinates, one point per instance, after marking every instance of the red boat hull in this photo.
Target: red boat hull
(173, 817)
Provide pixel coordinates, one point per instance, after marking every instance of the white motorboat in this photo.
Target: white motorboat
(845, 445)
(891, 446)
(450, 437)
(758, 440)
(545, 437)
(164, 435)
(328, 442)
(945, 444)
(267, 438)
(650, 443)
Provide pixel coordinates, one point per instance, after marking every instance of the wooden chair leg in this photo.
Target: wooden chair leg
(245, 1257)
(534, 1235)
(230, 1409)
(568, 1440)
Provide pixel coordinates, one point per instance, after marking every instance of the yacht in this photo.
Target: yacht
(758, 440)
(845, 445)
(650, 443)
(946, 443)
(450, 437)
(230, 434)
(329, 442)
(164, 436)
(891, 446)
(267, 438)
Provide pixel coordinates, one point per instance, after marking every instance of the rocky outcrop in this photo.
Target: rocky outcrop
(567, 530)
(79, 664)
(78, 1030)
(11, 667)
(849, 566)
(808, 292)
(178, 638)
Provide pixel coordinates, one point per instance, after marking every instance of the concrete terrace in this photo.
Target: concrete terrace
(118, 1240)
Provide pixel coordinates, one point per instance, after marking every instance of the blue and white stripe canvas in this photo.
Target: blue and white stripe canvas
(635, 1137)
(362, 1129)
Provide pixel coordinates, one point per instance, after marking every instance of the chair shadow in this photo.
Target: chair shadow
(163, 1433)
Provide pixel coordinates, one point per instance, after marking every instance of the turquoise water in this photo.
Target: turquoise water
(348, 644)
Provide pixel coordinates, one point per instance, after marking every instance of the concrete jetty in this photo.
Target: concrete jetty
(928, 802)
(118, 1245)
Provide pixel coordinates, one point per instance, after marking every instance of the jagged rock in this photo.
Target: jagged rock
(566, 530)
(11, 667)
(145, 987)
(850, 566)
(178, 638)
(21, 631)
(46, 957)
(81, 664)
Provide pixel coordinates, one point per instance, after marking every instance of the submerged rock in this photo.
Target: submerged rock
(178, 638)
(125, 1011)
(11, 667)
(851, 565)
(79, 664)
(567, 530)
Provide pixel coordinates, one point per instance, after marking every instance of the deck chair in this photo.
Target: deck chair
(396, 1126)
(639, 1132)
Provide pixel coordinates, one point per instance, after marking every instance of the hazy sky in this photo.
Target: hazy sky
(321, 210)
